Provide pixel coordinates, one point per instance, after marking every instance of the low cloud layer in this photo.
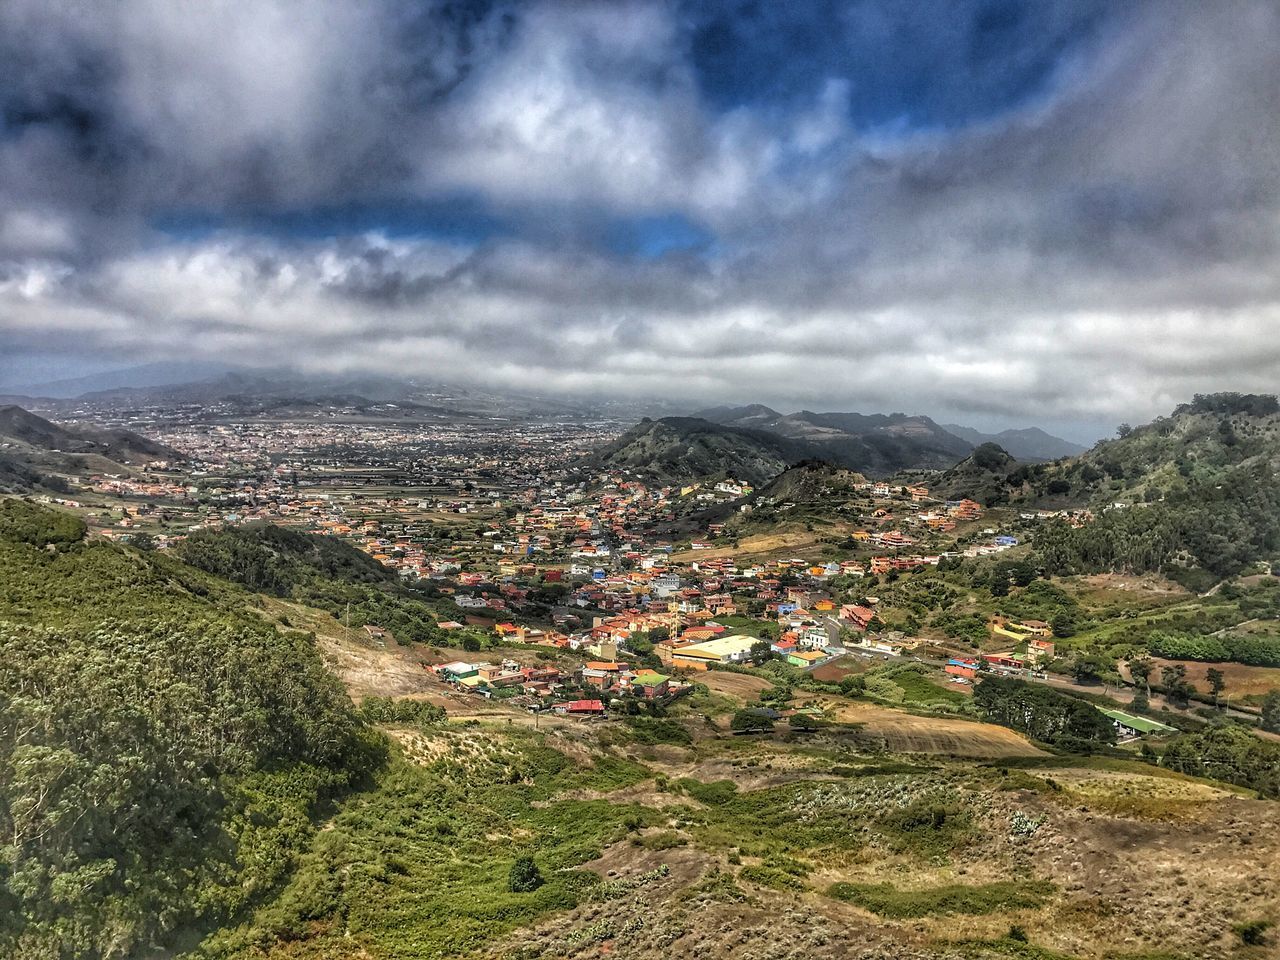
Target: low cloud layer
(1085, 230)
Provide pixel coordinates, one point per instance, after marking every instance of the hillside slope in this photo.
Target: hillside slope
(27, 431)
(810, 481)
(875, 444)
(756, 443)
(162, 750)
(989, 475)
(681, 449)
(1200, 443)
(18, 476)
(1195, 494)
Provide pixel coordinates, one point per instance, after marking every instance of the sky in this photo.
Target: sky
(999, 212)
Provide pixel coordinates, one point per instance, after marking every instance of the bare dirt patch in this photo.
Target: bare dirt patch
(370, 671)
(907, 733)
(741, 686)
(801, 543)
(1241, 680)
(1150, 584)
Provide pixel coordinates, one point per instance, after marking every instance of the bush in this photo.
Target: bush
(656, 730)
(1253, 933)
(770, 877)
(525, 877)
(713, 794)
(414, 713)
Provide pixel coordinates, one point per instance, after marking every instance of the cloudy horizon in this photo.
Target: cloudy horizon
(999, 212)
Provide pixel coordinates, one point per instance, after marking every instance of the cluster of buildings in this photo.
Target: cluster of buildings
(498, 518)
(587, 692)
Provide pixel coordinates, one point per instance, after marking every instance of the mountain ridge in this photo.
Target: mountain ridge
(1024, 443)
(681, 449)
(877, 444)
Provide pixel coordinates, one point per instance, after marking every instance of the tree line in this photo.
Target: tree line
(1042, 713)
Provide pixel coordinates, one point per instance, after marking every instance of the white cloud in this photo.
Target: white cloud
(1102, 251)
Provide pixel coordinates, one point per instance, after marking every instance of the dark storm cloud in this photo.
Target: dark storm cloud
(1015, 209)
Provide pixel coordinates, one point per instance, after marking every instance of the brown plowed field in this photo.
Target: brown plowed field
(907, 733)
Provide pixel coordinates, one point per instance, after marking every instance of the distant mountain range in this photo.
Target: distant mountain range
(878, 443)
(286, 393)
(874, 444)
(1030, 444)
(883, 443)
(140, 377)
(755, 443)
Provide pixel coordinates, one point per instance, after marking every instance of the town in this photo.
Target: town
(519, 545)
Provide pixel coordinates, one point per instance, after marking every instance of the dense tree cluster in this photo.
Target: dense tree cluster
(1231, 404)
(1222, 528)
(1271, 712)
(323, 572)
(1202, 501)
(411, 713)
(1042, 713)
(271, 559)
(1229, 753)
(161, 749)
(24, 522)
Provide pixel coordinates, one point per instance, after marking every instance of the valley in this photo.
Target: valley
(801, 710)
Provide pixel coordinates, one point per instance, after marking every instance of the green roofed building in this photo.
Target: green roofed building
(653, 684)
(1128, 726)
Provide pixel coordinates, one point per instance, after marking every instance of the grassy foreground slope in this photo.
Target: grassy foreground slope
(162, 751)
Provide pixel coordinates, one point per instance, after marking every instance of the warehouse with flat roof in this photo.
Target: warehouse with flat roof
(700, 656)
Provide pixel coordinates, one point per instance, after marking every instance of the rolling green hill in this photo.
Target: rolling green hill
(24, 429)
(681, 449)
(18, 476)
(323, 572)
(1195, 494)
(163, 752)
(273, 560)
(875, 444)
(1199, 444)
(34, 451)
